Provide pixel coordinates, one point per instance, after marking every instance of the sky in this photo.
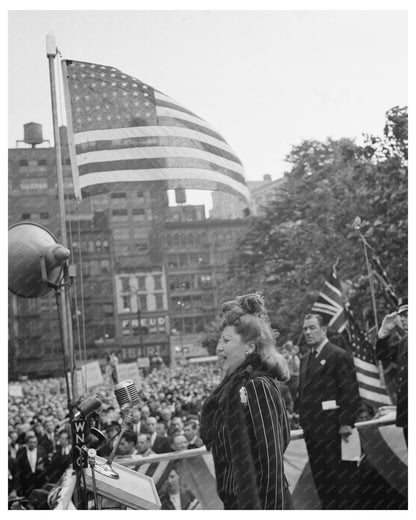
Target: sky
(266, 80)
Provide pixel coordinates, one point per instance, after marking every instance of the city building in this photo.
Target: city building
(197, 252)
(147, 276)
(228, 206)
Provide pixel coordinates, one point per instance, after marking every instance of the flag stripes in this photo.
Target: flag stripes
(126, 131)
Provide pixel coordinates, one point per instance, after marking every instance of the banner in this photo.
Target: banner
(129, 371)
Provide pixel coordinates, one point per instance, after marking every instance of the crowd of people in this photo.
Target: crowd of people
(180, 405)
(166, 420)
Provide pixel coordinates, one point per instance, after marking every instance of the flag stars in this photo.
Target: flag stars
(135, 93)
(124, 84)
(144, 86)
(146, 94)
(147, 103)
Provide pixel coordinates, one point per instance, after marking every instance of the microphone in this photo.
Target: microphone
(126, 394)
(88, 406)
(127, 397)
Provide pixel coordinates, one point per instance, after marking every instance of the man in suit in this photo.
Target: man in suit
(30, 467)
(158, 443)
(328, 403)
(61, 458)
(391, 345)
(49, 438)
(191, 432)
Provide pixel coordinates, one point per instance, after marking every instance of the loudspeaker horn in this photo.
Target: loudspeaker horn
(30, 245)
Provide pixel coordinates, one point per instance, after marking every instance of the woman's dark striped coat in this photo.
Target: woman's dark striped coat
(245, 424)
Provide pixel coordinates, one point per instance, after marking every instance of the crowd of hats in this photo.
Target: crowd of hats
(183, 389)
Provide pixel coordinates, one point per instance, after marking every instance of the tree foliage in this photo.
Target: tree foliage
(288, 252)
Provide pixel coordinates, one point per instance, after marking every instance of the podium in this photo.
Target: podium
(132, 489)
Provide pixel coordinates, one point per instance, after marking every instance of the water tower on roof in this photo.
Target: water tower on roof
(32, 133)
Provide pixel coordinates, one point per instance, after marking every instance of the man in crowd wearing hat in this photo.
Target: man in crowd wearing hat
(328, 403)
(391, 345)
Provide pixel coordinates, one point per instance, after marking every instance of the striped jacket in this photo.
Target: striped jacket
(245, 424)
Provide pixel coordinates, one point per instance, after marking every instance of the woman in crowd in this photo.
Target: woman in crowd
(244, 421)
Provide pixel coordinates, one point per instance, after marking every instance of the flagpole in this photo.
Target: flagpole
(357, 227)
(51, 52)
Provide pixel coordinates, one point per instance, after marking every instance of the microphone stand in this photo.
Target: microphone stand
(91, 462)
(106, 468)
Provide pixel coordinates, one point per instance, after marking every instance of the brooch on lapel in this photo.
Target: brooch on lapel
(323, 361)
(243, 395)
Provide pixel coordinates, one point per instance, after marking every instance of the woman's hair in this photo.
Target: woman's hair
(248, 315)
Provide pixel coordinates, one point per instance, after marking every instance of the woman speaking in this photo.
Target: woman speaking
(244, 421)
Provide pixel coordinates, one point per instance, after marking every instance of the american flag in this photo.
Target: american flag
(122, 130)
(330, 305)
(371, 387)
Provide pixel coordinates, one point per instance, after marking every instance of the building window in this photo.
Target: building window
(98, 245)
(126, 303)
(118, 195)
(44, 215)
(143, 302)
(26, 216)
(138, 214)
(199, 323)
(125, 324)
(23, 162)
(159, 301)
(119, 215)
(125, 284)
(105, 266)
(141, 246)
(90, 246)
(106, 246)
(188, 325)
(141, 283)
(34, 183)
(158, 282)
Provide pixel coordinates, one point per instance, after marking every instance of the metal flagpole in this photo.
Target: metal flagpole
(357, 227)
(51, 52)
